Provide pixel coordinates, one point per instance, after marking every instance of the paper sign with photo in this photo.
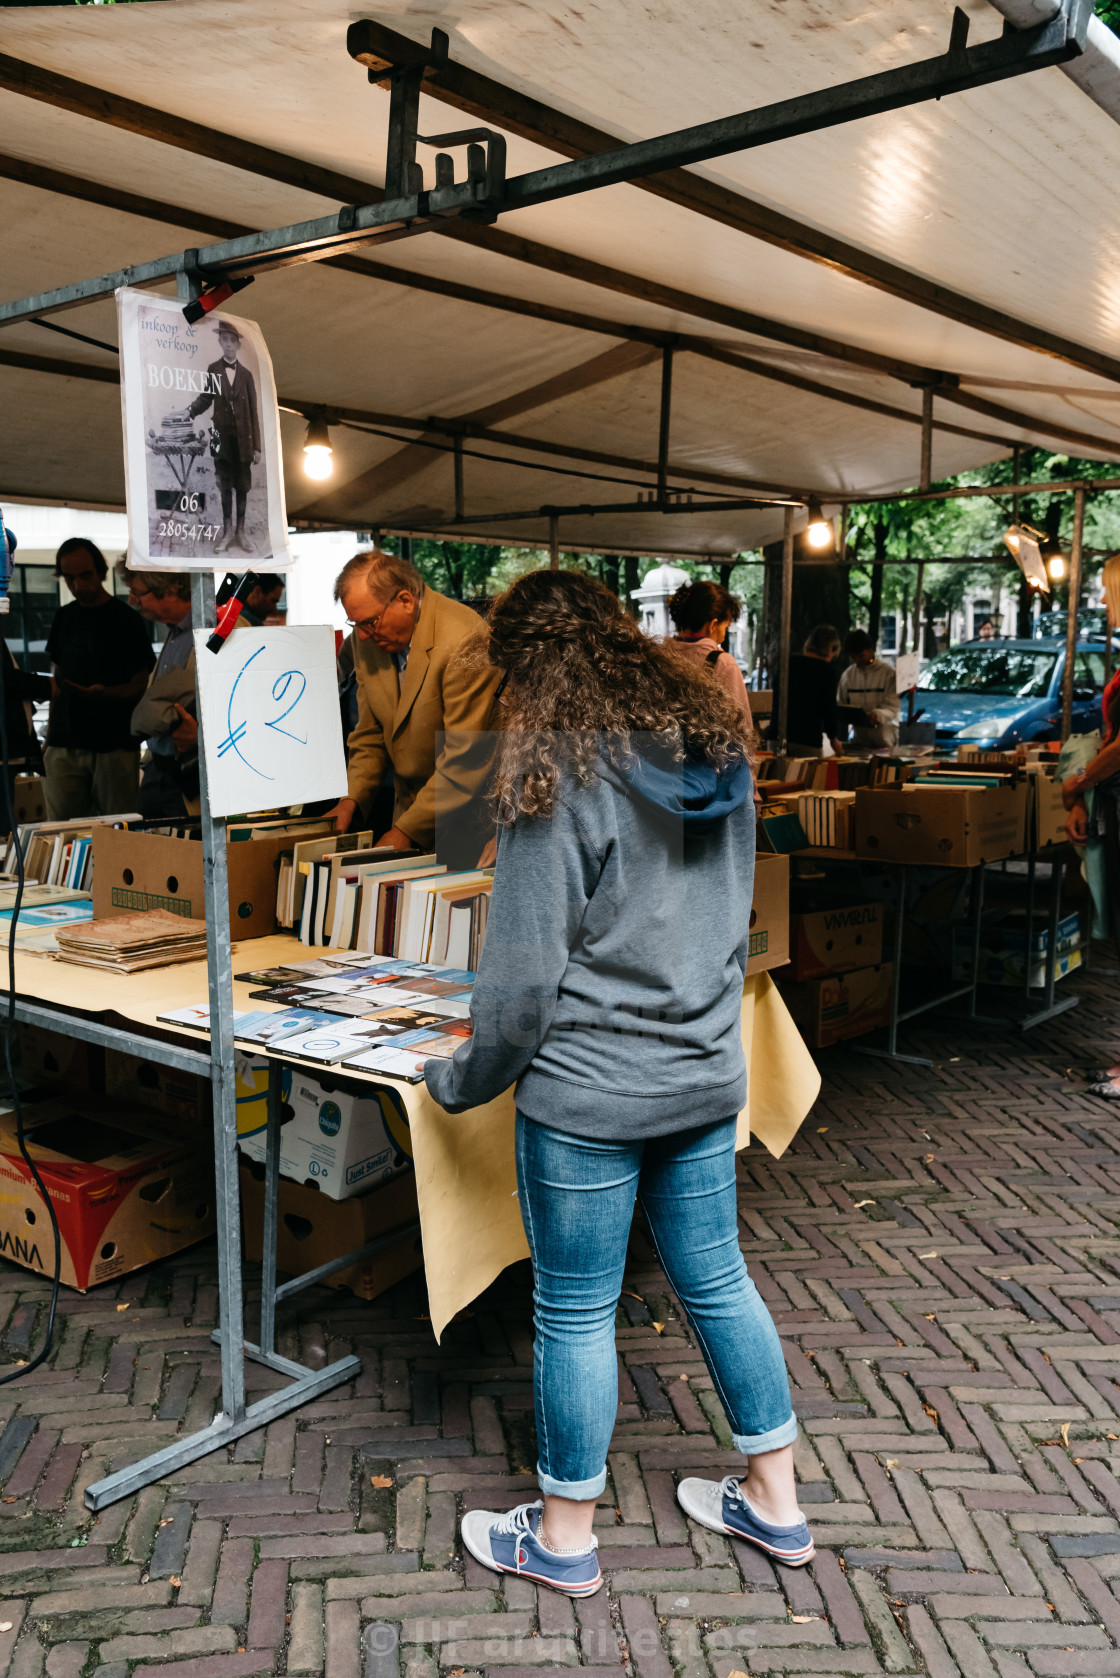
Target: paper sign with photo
(203, 467)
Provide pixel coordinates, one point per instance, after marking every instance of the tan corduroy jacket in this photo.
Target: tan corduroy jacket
(435, 731)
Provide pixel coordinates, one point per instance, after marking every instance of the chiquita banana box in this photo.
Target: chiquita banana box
(342, 1137)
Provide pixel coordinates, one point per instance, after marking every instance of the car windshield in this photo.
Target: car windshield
(997, 670)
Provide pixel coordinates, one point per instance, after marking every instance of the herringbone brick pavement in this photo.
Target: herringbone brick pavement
(941, 1250)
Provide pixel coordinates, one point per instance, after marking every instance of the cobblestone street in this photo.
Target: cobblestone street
(941, 1252)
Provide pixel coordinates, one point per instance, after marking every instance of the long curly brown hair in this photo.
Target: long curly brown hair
(583, 678)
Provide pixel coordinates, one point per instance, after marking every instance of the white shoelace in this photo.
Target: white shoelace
(730, 1487)
(516, 1521)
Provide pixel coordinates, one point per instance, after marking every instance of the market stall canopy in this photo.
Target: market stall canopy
(810, 288)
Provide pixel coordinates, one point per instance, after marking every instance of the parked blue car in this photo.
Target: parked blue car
(1004, 693)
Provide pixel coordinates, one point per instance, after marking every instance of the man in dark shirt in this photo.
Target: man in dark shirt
(101, 655)
(263, 599)
(811, 713)
(20, 688)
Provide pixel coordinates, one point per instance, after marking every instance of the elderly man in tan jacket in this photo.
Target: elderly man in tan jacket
(420, 709)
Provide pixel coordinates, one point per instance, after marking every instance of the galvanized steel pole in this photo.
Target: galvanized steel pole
(227, 1200)
(785, 628)
(925, 478)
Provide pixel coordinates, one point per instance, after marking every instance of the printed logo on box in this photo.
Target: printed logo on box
(330, 1118)
(364, 1168)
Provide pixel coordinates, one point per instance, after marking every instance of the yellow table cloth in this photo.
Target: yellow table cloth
(465, 1173)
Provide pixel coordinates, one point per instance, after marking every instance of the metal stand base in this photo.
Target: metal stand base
(897, 1013)
(1050, 1013)
(222, 1431)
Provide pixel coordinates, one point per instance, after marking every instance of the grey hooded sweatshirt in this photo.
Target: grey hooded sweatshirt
(611, 979)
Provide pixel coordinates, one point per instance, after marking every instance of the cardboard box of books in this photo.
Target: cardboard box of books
(840, 1005)
(1004, 951)
(1048, 812)
(342, 1138)
(138, 870)
(49, 1057)
(312, 1230)
(833, 934)
(769, 925)
(946, 826)
(124, 1194)
(29, 802)
(184, 1096)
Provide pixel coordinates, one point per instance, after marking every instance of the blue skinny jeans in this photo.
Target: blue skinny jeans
(577, 1198)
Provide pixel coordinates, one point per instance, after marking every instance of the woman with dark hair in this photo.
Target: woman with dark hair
(703, 613)
(626, 825)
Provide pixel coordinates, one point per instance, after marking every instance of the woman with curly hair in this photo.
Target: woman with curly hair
(703, 613)
(1092, 797)
(609, 990)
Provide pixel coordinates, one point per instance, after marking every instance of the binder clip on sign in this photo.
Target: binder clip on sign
(231, 597)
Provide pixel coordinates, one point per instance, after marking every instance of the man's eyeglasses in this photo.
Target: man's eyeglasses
(501, 687)
(368, 624)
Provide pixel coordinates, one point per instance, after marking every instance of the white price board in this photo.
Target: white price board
(907, 669)
(271, 726)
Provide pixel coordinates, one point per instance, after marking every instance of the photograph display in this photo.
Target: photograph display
(203, 465)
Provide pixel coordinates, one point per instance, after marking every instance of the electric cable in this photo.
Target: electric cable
(10, 1020)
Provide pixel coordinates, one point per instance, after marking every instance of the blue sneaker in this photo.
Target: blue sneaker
(509, 1544)
(722, 1506)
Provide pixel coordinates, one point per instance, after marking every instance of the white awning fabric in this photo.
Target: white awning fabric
(1008, 196)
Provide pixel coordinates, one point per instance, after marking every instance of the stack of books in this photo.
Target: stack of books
(828, 819)
(130, 943)
(59, 853)
(356, 1010)
(344, 893)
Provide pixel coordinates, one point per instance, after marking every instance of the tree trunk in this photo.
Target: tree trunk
(918, 608)
(1023, 610)
(875, 609)
(820, 595)
(610, 569)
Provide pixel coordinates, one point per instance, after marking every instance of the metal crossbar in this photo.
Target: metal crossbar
(486, 194)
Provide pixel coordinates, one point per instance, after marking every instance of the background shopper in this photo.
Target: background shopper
(811, 715)
(101, 655)
(166, 715)
(1092, 797)
(703, 613)
(869, 683)
(623, 783)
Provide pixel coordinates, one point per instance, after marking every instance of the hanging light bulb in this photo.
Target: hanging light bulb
(1056, 565)
(1029, 548)
(819, 532)
(317, 451)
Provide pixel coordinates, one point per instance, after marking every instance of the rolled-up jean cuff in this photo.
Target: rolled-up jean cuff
(580, 1491)
(753, 1444)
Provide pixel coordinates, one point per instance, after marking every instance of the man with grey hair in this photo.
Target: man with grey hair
(166, 714)
(423, 710)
